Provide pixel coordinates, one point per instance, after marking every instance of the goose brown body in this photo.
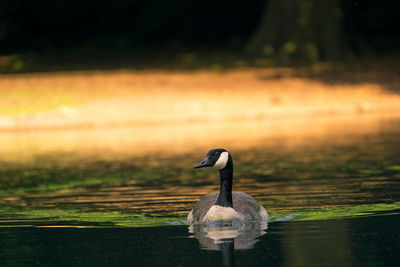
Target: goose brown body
(225, 205)
(244, 204)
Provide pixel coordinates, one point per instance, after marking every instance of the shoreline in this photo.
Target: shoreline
(8, 125)
(128, 98)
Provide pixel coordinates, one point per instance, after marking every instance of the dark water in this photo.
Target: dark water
(367, 241)
(332, 191)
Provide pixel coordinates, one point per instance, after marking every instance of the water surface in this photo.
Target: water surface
(365, 241)
(121, 196)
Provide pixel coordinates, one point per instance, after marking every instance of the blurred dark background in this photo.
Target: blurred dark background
(293, 30)
(74, 24)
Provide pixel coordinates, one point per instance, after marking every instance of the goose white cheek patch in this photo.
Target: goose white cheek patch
(222, 160)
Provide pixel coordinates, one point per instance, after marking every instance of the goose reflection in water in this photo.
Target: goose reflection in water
(228, 237)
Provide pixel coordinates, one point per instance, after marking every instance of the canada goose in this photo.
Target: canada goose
(225, 206)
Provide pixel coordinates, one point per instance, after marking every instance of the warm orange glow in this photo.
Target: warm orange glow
(154, 116)
(125, 142)
(113, 98)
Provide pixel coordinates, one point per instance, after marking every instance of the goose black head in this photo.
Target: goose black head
(217, 158)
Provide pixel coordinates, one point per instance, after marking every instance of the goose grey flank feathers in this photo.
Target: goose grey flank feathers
(225, 205)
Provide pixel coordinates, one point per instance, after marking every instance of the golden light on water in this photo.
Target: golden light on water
(124, 142)
(113, 113)
(157, 97)
(168, 120)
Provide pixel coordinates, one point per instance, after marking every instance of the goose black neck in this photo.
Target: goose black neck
(225, 191)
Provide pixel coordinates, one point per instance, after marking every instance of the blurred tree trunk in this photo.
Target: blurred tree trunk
(298, 30)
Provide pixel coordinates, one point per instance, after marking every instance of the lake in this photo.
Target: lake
(120, 196)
